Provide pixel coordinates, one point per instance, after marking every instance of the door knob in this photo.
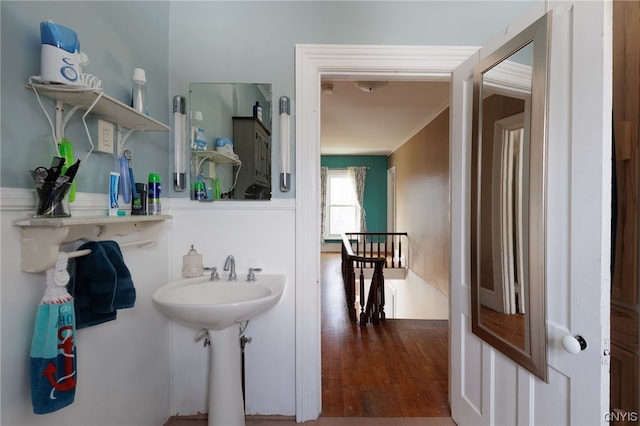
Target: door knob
(574, 344)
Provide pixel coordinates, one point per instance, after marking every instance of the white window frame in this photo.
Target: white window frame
(338, 173)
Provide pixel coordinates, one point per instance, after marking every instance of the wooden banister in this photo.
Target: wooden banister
(371, 307)
(388, 245)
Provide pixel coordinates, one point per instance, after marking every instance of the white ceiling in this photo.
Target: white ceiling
(354, 122)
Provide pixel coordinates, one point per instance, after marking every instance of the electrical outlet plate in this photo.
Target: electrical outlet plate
(105, 137)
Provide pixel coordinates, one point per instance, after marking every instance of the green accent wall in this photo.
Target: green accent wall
(375, 189)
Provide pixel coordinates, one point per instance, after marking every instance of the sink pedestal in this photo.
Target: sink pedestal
(226, 404)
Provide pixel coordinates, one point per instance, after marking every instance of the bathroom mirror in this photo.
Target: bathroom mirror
(231, 157)
(508, 198)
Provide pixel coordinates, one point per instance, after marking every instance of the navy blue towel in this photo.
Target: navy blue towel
(101, 284)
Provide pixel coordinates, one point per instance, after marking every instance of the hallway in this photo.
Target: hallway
(399, 369)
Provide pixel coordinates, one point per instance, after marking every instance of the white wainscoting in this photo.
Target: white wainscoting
(118, 359)
(258, 234)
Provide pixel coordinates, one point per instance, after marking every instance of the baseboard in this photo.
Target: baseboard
(331, 248)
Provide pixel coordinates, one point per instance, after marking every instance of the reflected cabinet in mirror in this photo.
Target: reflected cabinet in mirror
(508, 198)
(230, 139)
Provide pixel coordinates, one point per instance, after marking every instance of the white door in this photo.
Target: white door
(486, 387)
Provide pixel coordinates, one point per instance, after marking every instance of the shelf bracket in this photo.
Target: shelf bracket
(123, 139)
(57, 129)
(40, 247)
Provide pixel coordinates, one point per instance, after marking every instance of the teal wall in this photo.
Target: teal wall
(178, 42)
(375, 189)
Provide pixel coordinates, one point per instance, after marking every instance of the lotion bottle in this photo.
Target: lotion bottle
(192, 264)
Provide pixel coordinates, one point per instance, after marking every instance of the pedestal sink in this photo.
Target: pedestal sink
(219, 306)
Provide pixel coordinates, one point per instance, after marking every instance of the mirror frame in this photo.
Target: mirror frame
(533, 356)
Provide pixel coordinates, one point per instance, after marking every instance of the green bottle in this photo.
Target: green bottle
(199, 191)
(216, 195)
(155, 193)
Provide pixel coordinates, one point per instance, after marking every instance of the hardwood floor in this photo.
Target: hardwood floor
(399, 369)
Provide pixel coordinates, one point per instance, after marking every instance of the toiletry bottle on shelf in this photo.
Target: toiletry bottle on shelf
(155, 193)
(139, 204)
(199, 189)
(257, 111)
(139, 102)
(216, 189)
(201, 141)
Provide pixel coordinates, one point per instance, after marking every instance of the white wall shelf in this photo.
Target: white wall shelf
(107, 108)
(215, 157)
(41, 237)
(99, 104)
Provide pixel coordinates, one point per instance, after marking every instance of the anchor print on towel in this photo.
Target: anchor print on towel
(68, 381)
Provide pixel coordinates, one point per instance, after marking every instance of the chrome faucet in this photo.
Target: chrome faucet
(230, 265)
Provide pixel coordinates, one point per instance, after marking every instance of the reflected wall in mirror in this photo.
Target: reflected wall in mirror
(508, 198)
(230, 139)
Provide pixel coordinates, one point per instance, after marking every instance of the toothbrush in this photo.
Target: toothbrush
(134, 191)
(125, 180)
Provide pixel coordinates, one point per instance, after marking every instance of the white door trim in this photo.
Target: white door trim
(312, 63)
(391, 199)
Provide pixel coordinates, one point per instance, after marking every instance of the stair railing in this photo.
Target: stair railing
(387, 245)
(372, 305)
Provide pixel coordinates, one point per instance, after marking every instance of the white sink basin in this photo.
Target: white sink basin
(216, 305)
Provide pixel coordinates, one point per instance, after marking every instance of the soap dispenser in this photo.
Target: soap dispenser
(192, 264)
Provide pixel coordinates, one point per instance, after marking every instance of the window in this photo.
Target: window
(343, 212)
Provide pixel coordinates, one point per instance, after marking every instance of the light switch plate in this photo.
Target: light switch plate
(105, 137)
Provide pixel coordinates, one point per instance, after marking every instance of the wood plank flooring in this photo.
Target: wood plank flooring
(399, 369)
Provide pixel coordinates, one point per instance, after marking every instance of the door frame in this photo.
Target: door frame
(423, 63)
(391, 199)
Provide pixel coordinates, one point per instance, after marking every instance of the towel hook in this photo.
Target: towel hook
(61, 275)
